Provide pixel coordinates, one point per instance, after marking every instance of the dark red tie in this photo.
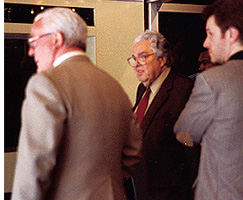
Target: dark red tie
(143, 105)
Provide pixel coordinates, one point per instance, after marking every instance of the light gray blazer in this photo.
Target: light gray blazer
(79, 138)
(214, 117)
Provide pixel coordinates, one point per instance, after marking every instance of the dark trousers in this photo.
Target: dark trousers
(173, 193)
(130, 189)
(167, 193)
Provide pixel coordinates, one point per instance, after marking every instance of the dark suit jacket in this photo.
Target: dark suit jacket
(165, 163)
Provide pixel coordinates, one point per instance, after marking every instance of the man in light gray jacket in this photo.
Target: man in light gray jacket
(213, 115)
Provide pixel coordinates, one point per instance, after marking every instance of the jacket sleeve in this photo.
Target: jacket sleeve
(132, 152)
(198, 112)
(43, 115)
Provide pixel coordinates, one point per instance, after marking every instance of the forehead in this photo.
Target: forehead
(37, 27)
(211, 23)
(142, 46)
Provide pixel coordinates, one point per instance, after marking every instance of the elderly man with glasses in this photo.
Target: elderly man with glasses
(79, 138)
(165, 172)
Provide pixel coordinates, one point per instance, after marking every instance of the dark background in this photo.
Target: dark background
(186, 34)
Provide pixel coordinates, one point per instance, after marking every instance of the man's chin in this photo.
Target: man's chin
(40, 69)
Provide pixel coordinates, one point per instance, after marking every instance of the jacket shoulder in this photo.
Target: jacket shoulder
(182, 79)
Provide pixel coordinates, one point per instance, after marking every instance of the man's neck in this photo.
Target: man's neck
(64, 49)
(62, 56)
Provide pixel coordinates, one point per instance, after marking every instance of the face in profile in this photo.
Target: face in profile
(216, 42)
(41, 46)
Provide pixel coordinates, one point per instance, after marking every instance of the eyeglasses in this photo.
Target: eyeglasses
(141, 59)
(34, 39)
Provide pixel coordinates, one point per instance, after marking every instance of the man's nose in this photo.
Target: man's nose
(136, 63)
(31, 52)
(205, 43)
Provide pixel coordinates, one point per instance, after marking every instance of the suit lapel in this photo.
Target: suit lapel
(158, 101)
(141, 90)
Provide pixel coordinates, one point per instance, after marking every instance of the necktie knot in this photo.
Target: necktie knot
(142, 106)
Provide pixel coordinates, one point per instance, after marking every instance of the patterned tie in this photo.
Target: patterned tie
(142, 106)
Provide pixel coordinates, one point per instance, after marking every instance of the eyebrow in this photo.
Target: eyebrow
(143, 52)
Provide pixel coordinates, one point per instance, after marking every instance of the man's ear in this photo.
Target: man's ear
(59, 39)
(233, 34)
(163, 60)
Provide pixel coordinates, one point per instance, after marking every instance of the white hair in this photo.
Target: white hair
(69, 23)
(159, 44)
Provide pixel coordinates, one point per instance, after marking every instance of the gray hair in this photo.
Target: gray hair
(69, 23)
(159, 45)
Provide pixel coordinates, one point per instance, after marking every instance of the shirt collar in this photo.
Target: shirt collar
(158, 82)
(65, 56)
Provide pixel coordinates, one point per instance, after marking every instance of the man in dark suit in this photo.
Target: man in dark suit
(164, 173)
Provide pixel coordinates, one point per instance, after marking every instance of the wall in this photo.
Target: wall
(117, 23)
